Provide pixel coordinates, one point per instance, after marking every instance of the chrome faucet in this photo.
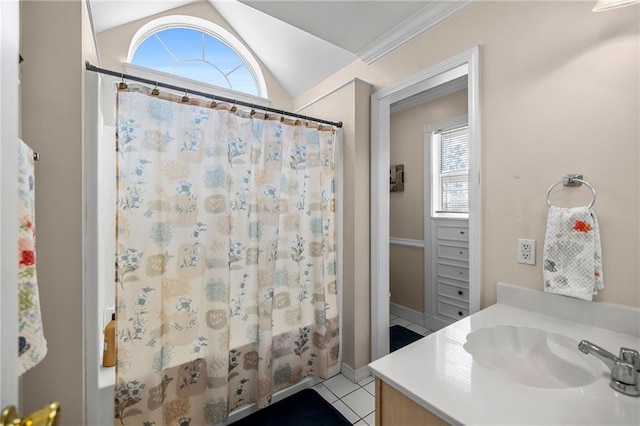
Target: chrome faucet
(624, 369)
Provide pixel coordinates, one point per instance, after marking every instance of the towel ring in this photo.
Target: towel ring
(568, 182)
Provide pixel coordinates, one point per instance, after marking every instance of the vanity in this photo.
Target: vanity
(516, 362)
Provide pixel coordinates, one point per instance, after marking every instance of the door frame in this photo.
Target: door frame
(9, 124)
(467, 63)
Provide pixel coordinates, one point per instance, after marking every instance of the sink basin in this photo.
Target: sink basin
(532, 357)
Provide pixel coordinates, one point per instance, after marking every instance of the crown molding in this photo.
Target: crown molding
(430, 16)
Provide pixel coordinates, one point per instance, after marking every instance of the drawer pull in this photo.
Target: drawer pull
(460, 292)
(460, 313)
(461, 232)
(460, 252)
(461, 273)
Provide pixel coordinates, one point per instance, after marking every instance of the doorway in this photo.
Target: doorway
(464, 64)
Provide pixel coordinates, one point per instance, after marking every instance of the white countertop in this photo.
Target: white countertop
(437, 373)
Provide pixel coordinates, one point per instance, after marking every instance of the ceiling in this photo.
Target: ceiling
(351, 25)
(302, 42)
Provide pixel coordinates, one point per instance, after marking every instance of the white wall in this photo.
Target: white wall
(106, 175)
(107, 201)
(353, 99)
(559, 94)
(559, 91)
(52, 123)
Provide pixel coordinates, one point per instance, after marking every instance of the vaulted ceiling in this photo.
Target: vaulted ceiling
(302, 42)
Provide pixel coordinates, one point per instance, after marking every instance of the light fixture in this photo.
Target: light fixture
(603, 5)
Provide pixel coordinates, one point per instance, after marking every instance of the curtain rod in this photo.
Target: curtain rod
(93, 68)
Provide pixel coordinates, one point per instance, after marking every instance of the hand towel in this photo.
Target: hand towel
(32, 346)
(572, 257)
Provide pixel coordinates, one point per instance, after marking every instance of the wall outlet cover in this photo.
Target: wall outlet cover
(526, 251)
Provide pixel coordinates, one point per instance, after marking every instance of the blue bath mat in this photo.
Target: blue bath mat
(305, 408)
(400, 337)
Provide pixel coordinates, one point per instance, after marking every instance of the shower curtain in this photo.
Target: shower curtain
(226, 258)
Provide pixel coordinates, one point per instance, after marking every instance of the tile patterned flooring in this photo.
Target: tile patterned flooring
(356, 401)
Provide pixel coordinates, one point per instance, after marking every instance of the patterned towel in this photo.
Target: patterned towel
(572, 253)
(32, 346)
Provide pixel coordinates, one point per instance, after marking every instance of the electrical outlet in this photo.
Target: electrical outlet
(526, 251)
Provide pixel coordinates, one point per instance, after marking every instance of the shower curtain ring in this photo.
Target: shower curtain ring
(155, 91)
(233, 108)
(213, 102)
(122, 85)
(253, 111)
(185, 98)
(282, 116)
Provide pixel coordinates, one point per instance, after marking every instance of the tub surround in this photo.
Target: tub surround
(439, 375)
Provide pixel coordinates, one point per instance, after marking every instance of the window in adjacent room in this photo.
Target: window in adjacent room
(450, 171)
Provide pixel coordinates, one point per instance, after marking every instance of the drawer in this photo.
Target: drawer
(454, 253)
(458, 293)
(454, 272)
(454, 233)
(451, 311)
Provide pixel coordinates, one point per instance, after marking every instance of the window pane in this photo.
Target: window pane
(451, 177)
(242, 81)
(184, 43)
(152, 54)
(196, 55)
(201, 71)
(220, 54)
(454, 196)
(454, 150)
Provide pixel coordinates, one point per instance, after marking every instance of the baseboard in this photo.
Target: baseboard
(355, 375)
(406, 313)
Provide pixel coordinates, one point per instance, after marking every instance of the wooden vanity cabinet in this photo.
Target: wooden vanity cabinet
(395, 409)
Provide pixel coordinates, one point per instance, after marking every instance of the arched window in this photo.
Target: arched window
(196, 49)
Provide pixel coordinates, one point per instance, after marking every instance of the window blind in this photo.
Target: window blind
(452, 192)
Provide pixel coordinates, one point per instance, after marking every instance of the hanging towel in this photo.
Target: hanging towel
(572, 255)
(32, 346)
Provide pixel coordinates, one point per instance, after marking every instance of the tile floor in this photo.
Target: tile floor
(356, 401)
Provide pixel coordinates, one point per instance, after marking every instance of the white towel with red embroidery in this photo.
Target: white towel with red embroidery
(32, 346)
(572, 257)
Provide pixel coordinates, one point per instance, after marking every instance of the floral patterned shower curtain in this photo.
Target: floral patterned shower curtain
(226, 258)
